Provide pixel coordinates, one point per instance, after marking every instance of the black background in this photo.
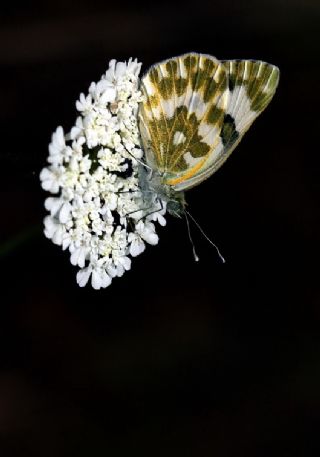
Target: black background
(176, 358)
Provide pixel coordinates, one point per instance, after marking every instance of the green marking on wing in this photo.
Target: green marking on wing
(186, 125)
(214, 115)
(260, 80)
(229, 132)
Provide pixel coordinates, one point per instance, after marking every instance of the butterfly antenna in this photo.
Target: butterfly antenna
(196, 258)
(206, 237)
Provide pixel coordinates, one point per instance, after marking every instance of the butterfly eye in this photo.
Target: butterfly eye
(175, 208)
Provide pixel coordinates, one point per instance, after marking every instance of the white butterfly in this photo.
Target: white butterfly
(195, 111)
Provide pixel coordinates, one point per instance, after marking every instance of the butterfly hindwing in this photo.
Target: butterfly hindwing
(251, 86)
(185, 99)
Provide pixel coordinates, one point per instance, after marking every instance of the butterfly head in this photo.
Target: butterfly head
(154, 187)
(176, 204)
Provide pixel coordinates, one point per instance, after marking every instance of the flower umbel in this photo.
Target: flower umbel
(98, 210)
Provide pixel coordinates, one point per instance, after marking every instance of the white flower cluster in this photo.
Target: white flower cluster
(98, 211)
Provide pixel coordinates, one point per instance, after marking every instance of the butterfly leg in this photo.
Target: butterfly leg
(140, 209)
(154, 211)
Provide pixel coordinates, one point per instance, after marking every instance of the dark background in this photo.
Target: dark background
(175, 358)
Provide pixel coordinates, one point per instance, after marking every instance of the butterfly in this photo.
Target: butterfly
(195, 111)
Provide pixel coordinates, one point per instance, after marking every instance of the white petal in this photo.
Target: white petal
(58, 136)
(50, 227)
(75, 256)
(53, 205)
(82, 257)
(150, 237)
(66, 241)
(108, 96)
(137, 247)
(121, 68)
(112, 202)
(106, 280)
(51, 186)
(96, 280)
(125, 262)
(58, 235)
(120, 270)
(109, 75)
(83, 276)
(65, 211)
(161, 220)
(45, 174)
(137, 153)
(112, 271)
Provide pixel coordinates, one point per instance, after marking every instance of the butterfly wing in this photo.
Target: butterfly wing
(251, 86)
(181, 117)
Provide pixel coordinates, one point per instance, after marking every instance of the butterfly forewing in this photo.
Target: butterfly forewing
(185, 100)
(251, 85)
